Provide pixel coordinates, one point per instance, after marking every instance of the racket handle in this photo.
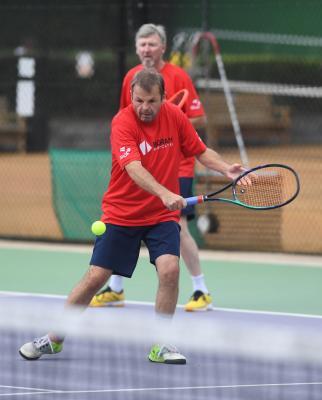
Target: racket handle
(191, 201)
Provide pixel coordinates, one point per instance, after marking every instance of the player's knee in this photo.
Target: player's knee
(170, 274)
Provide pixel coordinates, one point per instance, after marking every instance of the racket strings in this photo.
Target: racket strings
(271, 186)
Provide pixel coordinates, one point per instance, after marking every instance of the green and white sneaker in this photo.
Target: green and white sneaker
(166, 354)
(38, 347)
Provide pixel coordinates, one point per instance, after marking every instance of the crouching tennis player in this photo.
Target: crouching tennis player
(148, 139)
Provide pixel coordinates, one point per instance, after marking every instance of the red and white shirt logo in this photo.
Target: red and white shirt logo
(124, 152)
(195, 104)
(145, 147)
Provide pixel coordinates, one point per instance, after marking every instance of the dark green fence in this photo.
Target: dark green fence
(79, 179)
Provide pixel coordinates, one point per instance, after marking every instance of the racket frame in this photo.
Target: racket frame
(234, 184)
(185, 94)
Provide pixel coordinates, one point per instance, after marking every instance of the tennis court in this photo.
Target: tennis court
(258, 343)
(256, 67)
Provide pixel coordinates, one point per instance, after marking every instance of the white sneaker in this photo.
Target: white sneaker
(39, 346)
(166, 354)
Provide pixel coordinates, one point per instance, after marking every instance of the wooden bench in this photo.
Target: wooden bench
(261, 121)
(13, 129)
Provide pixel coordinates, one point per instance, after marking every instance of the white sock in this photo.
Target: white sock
(198, 283)
(116, 283)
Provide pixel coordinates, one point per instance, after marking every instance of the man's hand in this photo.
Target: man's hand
(173, 201)
(235, 170)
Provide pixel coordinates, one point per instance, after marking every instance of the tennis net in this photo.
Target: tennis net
(105, 355)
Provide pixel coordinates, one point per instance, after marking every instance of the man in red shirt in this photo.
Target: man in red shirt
(150, 46)
(142, 202)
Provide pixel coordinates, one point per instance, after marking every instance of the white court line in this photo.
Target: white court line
(26, 393)
(35, 391)
(151, 304)
(23, 388)
(176, 388)
(248, 257)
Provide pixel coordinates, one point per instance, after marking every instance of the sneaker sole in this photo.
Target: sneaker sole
(109, 304)
(28, 358)
(176, 362)
(208, 308)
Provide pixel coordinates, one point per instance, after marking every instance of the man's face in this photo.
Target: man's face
(146, 104)
(150, 50)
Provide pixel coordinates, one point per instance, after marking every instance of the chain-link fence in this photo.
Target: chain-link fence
(62, 65)
(263, 106)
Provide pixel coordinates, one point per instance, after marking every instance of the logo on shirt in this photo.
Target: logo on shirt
(125, 151)
(162, 143)
(195, 104)
(145, 147)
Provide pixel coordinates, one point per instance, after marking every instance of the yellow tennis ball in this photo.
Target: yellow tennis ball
(98, 228)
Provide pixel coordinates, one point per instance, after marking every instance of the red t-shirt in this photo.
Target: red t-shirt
(159, 146)
(175, 79)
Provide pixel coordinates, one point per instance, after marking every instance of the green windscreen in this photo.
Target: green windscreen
(79, 180)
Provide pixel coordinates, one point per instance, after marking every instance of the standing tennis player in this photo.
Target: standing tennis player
(150, 47)
(142, 202)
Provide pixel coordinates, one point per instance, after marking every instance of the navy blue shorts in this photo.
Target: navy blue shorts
(119, 247)
(186, 191)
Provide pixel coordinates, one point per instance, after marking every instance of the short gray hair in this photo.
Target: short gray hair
(147, 30)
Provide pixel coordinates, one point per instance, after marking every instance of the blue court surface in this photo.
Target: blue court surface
(96, 369)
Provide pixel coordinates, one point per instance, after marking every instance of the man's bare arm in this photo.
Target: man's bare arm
(199, 122)
(147, 182)
(212, 160)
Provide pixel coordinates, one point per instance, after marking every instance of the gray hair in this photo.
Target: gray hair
(147, 30)
(146, 79)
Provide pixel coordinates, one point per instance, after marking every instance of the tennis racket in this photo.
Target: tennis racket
(270, 186)
(179, 98)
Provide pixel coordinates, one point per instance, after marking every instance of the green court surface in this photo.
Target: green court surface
(292, 285)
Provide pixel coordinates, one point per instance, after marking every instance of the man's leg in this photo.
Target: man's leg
(81, 295)
(200, 299)
(188, 249)
(92, 281)
(166, 300)
(83, 292)
(108, 253)
(168, 273)
(163, 243)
